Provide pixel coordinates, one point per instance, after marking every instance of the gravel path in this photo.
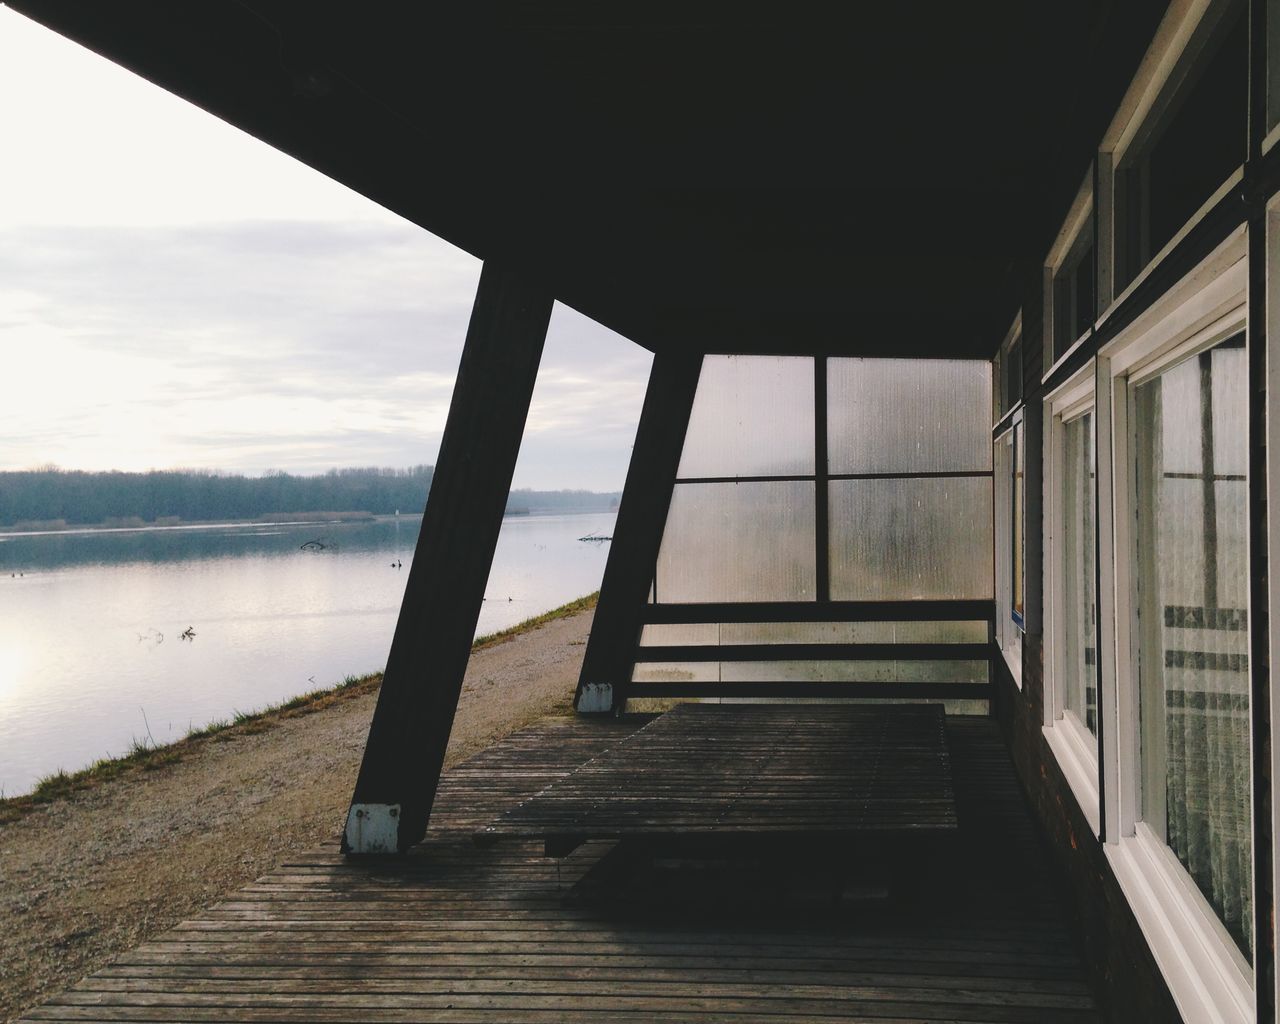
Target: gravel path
(84, 879)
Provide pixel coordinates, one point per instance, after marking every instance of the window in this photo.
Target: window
(1190, 433)
(1079, 638)
(1071, 663)
(1273, 72)
(1189, 141)
(742, 521)
(910, 488)
(1007, 368)
(1179, 832)
(810, 489)
(1070, 294)
(1017, 583)
(1008, 635)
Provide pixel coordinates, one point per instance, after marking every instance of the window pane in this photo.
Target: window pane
(811, 672)
(738, 542)
(908, 415)
(728, 633)
(1079, 565)
(1192, 141)
(1273, 64)
(1019, 515)
(909, 539)
(752, 416)
(674, 634)
(855, 671)
(1073, 294)
(1192, 570)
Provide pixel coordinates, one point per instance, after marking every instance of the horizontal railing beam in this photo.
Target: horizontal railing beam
(821, 611)
(817, 652)
(790, 688)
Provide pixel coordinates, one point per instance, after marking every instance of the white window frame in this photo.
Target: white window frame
(1079, 218)
(1273, 495)
(1208, 976)
(1161, 70)
(1073, 745)
(1008, 636)
(1013, 336)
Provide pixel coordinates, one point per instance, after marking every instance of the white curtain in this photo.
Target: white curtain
(1192, 429)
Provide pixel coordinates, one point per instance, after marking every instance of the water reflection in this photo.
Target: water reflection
(91, 624)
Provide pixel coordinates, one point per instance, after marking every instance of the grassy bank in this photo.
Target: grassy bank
(144, 755)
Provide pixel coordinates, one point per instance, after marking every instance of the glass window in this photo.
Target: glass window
(1079, 567)
(734, 633)
(1191, 142)
(1074, 300)
(752, 416)
(1018, 515)
(908, 416)
(1190, 432)
(903, 539)
(739, 542)
(811, 671)
(1008, 636)
(1011, 375)
(1273, 64)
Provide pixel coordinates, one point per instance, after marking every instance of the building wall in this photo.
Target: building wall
(1128, 982)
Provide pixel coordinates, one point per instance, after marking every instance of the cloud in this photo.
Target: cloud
(175, 292)
(232, 345)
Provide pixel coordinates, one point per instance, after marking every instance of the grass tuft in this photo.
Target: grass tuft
(144, 755)
(582, 604)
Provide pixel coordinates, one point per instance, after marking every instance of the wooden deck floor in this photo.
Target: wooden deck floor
(455, 933)
(764, 769)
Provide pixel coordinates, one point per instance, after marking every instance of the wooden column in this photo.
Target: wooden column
(637, 535)
(411, 724)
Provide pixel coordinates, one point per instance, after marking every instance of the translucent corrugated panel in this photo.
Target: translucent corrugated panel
(1192, 570)
(738, 542)
(911, 539)
(676, 672)
(701, 634)
(730, 633)
(855, 671)
(908, 415)
(853, 632)
(812, 672)
(752, 416)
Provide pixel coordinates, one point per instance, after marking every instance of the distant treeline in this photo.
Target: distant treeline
(55, 497)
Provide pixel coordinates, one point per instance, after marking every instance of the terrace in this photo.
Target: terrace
(960, 398)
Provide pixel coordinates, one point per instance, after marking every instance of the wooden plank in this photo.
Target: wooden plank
(706, 769)
(443, 596)
(446, 932)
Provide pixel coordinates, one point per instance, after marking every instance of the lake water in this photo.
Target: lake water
(91, 648)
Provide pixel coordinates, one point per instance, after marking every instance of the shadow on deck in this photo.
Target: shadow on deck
(452, 932)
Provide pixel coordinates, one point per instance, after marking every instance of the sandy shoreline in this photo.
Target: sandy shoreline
(88, 877)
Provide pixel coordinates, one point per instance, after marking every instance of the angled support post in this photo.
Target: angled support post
(405, 750)
(637, 535)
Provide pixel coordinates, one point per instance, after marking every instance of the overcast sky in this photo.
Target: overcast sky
(175, 293)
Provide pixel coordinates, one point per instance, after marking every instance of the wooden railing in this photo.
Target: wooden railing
(891, 612)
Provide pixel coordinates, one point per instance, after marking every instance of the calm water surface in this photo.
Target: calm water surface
(91, 648)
